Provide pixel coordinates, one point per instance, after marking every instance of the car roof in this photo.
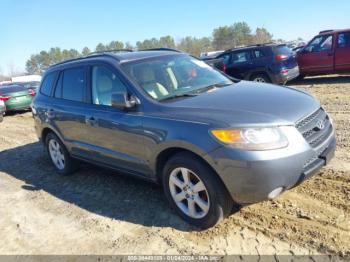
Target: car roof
(336, 31)
(119, 56)
(132, 56)
(248, 47)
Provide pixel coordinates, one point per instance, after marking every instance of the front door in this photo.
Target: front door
(114, 135)
(318, 56)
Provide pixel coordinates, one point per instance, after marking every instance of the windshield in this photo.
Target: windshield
(174, 76)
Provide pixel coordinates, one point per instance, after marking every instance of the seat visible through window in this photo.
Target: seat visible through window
(104, 84)
(147, 80)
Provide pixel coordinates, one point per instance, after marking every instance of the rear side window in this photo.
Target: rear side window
(73, 84)
(240, 57)
(48, 82)
(343, 40)
(258, 54)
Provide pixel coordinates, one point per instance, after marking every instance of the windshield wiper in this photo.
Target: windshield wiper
(177, 96)
(206, 88)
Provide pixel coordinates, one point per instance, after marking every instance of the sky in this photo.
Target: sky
(29, 26)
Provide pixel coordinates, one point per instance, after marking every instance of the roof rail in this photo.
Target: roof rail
(94, 54)
(245, 46)
(161, 49)
(326, 31)
(109, 51)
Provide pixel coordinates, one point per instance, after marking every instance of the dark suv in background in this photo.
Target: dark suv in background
(170, 118)
(268, 63)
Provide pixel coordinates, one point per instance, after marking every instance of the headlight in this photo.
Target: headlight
(264, 138)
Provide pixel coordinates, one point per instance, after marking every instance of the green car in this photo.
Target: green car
(16, 97)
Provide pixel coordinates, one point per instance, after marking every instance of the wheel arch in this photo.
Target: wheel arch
(167, 153)
(46, 131)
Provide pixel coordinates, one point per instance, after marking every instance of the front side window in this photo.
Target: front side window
(173, 76)
(321, 43)
(73, 84)
(343, 40)
(48, 83)
(226, 59)
(104, 84)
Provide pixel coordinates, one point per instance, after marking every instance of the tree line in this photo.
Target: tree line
(222, 38)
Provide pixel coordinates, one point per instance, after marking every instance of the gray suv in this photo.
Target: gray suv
(211, 141)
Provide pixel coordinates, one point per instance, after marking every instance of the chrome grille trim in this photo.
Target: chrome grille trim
(310, 129)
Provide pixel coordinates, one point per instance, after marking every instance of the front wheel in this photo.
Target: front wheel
(195, 192)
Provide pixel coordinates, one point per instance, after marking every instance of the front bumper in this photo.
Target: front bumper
(250, 176)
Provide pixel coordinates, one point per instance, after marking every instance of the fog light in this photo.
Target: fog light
(275, 193)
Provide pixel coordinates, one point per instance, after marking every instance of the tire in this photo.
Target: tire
(262, 78)
(63, 163)
(300, 77)
(215, 202)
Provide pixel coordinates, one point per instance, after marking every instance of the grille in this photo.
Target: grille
(315, 128)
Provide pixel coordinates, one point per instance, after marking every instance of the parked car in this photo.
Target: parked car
(167, 117)
(269, 63)
(326, 53)
(2, 110)
(16, 97)
(29, 85)
(210, 55)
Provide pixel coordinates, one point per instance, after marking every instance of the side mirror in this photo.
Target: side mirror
(123, 100)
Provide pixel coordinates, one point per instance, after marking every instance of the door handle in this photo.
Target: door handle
(50, 114)
(330, 54)
(90, 120)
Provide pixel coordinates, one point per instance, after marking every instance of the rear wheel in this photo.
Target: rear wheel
(194, 191)
(261, 78)
(59, 155)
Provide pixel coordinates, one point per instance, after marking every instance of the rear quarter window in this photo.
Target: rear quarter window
(283, 50)
(47, 84)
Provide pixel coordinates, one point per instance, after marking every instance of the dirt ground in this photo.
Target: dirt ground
(96, 211)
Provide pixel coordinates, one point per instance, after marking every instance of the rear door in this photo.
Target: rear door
(318, 56)
(240, 64)
(342, 52)
(66, 112)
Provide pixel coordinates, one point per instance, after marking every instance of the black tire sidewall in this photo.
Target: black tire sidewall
(217, 194)
(265, 77)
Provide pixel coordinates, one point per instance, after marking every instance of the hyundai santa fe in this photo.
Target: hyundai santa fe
(211, 141)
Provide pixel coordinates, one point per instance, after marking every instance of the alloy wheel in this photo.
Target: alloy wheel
(56, 154)
(259, 79)
(189, 193)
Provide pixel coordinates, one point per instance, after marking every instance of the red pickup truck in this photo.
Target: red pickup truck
(326, 53)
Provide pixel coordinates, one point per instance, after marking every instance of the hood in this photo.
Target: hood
(246, 103)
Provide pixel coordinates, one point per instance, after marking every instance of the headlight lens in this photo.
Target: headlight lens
(260, 138)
